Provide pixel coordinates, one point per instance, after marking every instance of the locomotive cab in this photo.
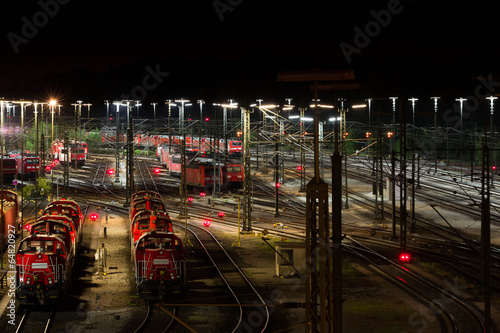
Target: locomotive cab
(63, 229)
(146, 221)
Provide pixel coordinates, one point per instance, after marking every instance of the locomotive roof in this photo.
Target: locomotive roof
(47, 237)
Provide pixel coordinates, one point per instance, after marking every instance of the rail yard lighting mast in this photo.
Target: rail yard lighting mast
(182, 188)
(154, 113)
(200, 102)
(435, 99)
(52, 104)
(278, 120)
(170, 103)
(492, 110)
(231, 105)
(461, 101)
(40, 172)
(23, 107)
(130, 151)
(88, 105)
(106, 102)
(117, 142)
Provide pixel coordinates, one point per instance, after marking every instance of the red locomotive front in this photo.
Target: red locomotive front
(43, 269)
(160, 265)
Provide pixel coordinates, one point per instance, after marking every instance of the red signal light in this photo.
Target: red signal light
(156, 170)
(299, 168)
(111, 171)
(405, 257)
(94, 216)
(221, 214)
(202, 194)
(27, 227)
(56, 161)
(48, 168)
(494, 167)
(207, 119)
(278, 185)
(206, 223)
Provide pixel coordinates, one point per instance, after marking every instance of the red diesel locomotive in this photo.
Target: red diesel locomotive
(157, 253)
(45, 259)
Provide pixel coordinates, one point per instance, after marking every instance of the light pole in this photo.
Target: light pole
(117, 142)
(435, 131)
(23, 105)
(52, 104)
(154, 114)
(200, 102)
(130, 151)
(492, 110)
(170, 103)
(461, 100)
(393, 137)
(88, 105)
(107, 112)
(182, 189)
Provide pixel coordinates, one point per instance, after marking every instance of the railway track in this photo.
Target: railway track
(35, 321)
(461, 316)
(246, 299)
(156, 319)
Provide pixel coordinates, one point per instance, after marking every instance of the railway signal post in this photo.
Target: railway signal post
(323, 286)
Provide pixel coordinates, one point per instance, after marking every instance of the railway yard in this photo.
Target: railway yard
(231, 279)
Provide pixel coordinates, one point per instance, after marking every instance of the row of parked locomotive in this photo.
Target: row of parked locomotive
(19, 165)
(46, 257)
(158, 254)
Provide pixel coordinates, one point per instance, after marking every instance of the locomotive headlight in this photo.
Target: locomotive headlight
(172, 276)
(49, 280)
(151, 275)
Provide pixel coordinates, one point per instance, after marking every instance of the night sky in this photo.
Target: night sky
(215, 50)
